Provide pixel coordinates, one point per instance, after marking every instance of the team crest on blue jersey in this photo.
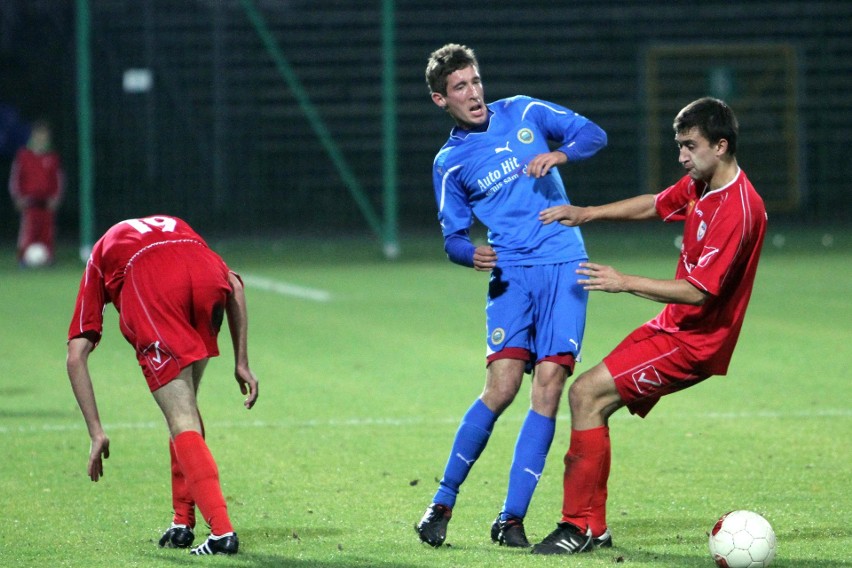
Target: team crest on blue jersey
(497, 336)
(526, 135)
(702, 228)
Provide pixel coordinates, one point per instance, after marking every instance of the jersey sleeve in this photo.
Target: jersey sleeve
(673, 202)
(454, 211)
(89, 308)
(578, 137)
(14, 177)
(459, 249)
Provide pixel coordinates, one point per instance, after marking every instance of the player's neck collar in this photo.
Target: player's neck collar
(462, 133)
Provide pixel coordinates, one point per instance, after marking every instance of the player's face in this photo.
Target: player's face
(697, 155)
(465, 98)
(40, 139)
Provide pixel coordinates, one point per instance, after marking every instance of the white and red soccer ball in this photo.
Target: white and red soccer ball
(742, 539)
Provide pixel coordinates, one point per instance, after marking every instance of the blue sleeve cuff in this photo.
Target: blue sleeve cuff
(459, 248)
(589, 139)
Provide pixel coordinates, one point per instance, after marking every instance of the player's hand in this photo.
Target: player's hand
(568, 215)
(248, 385)
(98, 452)
(484, 258)
(541, 164)
(601, 278)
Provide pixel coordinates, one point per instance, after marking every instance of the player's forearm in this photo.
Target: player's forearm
(238, 321)
(637, 208)
(664, 291)
(459, 249)
(81, 384)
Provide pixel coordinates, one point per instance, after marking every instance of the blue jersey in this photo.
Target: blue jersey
(483, 174)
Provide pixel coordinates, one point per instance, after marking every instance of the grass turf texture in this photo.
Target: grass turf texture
(361, 396)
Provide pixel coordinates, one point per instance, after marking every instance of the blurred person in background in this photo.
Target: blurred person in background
(36, 184)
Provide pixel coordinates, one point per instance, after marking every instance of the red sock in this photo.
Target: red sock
(182, 503)
(202, 478)
(597, 514)
(584, 482)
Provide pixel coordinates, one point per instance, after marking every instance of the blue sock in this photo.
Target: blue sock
(471, 437)
(534, 441)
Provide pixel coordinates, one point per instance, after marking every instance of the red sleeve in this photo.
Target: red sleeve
(89, 309)
(673, 203)
(15, 177)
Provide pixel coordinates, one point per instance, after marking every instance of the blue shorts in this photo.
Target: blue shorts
(540, 310)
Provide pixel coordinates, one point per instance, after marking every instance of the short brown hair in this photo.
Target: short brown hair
(444, 62)
(714, 120)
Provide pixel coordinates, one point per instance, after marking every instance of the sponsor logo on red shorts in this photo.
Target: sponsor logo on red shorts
(157, 359)
(646, 377)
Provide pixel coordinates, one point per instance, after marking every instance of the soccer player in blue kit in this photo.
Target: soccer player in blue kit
(498, 166)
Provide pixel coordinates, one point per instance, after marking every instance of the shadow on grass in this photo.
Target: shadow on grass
(9, 391)
(659, 533)
(272, 560)
(36, 414)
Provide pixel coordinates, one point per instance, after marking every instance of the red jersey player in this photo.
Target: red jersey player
(172, 293)
(695, 334)
(36, 184)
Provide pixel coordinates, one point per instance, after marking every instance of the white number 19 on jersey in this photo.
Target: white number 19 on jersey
(148, 224)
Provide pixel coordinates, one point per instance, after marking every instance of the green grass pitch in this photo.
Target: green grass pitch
(361, 395)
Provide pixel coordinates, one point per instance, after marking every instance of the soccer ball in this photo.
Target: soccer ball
(36, 255)
(742, 539)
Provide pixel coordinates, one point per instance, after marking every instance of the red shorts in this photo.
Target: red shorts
(171, 308)
(649, 364)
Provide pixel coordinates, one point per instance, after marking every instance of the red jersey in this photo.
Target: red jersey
(104, 275)
(722, 238)
(36, 177)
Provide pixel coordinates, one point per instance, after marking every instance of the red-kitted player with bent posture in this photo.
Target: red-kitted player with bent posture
(692, 338)
(172, 293)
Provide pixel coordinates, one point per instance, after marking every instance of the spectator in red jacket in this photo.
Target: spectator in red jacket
(36, 185)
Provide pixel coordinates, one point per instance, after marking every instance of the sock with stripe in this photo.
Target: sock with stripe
(531, 449)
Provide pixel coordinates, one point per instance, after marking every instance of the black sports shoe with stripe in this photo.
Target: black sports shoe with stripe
(566, 539)
(225, 544)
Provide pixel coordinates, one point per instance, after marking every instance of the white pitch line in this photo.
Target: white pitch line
(285, 288)
(395, 422)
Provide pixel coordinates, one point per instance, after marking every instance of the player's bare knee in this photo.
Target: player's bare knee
(498, 396)
(581, 395)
